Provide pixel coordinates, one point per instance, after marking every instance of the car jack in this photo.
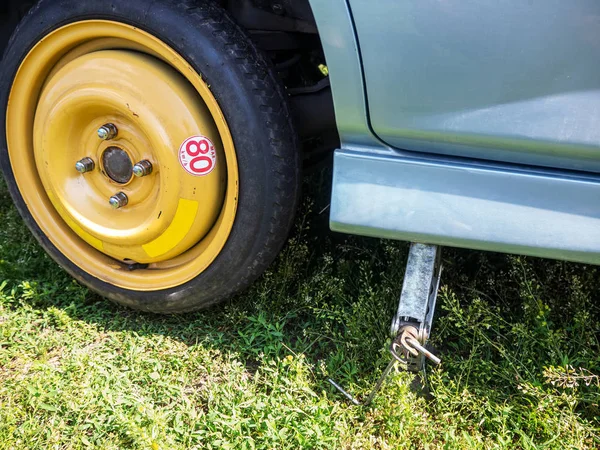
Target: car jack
(411, 326)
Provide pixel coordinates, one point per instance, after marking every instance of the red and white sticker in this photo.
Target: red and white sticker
(197, 155)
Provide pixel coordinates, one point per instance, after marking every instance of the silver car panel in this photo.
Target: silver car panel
(416, 157)
(510, 80)
(465, 204)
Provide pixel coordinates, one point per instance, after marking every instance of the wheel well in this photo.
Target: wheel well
(286, 31)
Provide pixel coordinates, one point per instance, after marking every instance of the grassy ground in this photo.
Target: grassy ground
(518, 337)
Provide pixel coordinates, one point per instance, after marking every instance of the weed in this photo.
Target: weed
(518, 337)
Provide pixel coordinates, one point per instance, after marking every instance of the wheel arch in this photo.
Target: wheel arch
(338, 38)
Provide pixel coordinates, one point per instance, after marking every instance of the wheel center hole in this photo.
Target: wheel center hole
(117, 165)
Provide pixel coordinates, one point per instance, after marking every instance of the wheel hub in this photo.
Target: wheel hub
(117, 165)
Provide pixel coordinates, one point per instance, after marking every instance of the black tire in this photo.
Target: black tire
(255, 107)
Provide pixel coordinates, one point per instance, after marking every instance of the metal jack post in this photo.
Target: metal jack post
(411, 326)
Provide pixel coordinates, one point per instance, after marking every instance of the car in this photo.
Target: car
(155, 147)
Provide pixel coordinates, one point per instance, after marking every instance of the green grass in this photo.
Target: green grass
(518, 338)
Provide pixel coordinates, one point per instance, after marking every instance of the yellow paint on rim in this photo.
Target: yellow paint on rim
(180, 226)
(155, 109)
(176, 223)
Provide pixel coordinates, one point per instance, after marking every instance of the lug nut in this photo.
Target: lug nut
(118, 200)
(85, 165)
(107, 131)
(142, 168)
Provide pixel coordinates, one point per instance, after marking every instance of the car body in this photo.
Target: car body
(467, 123)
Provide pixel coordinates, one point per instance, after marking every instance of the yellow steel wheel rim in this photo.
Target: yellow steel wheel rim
(89, 73)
